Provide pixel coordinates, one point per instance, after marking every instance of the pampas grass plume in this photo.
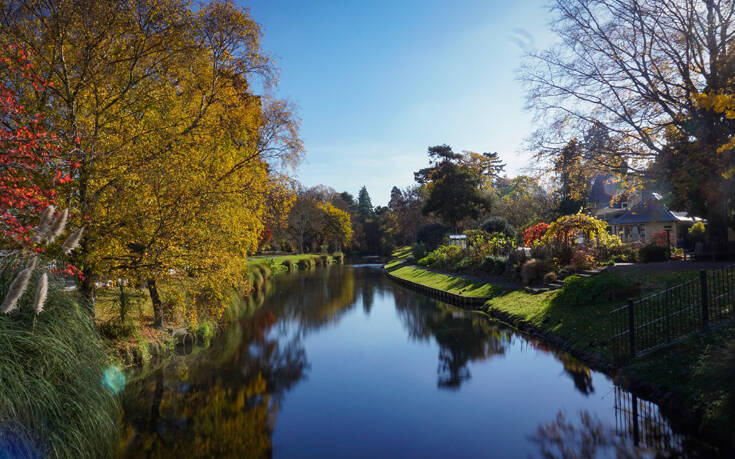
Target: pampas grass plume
(17, 288)
(72, 242)
(44, 224)
(41, 292)
(57, 227)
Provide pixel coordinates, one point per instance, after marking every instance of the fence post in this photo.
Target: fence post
(705, 298)
(631, 329)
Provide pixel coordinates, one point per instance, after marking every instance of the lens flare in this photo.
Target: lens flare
(113, 380)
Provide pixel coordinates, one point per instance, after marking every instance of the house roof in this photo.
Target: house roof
(650, 210)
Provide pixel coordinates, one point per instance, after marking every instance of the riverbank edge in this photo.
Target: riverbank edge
(681, 414)
(161, 346)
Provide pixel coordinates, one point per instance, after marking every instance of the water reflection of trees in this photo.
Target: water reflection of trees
(223, 401)
(462, 336)
(315, 299)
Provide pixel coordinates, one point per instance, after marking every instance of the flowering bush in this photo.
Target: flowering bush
(535, 233)
(582, 258)
(660, 239)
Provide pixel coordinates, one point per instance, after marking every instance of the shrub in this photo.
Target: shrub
(463, 264)
(494, 265)
(497, 224)
(549, 278)
(289, 265)
(582, 258)
(532, 271)
(431, 235)
(325, 259)
(304, 263)
(653, 253)
(339, 257)
(697, 232)
(428, 261)
(535, 233)
(418, 250)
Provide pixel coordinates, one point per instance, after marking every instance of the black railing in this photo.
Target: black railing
(664, 317)
(641, 421)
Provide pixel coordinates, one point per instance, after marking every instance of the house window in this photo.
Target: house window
(624, 205)
(642, 232)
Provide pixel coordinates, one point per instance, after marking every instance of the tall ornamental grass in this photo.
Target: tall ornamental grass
(53, 402)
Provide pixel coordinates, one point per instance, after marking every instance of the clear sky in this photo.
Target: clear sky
(379, 81)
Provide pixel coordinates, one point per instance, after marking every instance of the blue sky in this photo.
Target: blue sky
(378, 81)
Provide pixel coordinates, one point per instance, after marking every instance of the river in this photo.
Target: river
(341, 362)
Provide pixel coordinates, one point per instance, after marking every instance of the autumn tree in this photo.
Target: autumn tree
(523, 201)
(175, 151)
(336, 227)
(644, 70)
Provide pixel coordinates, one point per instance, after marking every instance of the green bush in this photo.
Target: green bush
(445, 257)
(418, 250)
(463, 264)
(497, 224)
(653, 253)
(626, 255)
(289, 265)
(494, 265)
(325, 259)
(304, 263)
(339, 257)
(52, 401)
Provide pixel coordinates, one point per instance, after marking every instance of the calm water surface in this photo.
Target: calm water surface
(341, 362)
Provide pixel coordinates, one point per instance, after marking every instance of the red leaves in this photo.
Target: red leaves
(535, 232)
(29, 154)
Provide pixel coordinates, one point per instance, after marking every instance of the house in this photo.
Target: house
(636, 216)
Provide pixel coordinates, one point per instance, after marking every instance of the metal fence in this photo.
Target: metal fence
(666, 316)
(642, 422)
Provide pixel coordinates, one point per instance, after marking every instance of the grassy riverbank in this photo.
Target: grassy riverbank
(578, 313)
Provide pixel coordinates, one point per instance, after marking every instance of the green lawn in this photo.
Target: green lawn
(447, 283)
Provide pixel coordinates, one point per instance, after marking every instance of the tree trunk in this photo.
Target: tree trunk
(156, 301)
(86, 287)
(717, 221)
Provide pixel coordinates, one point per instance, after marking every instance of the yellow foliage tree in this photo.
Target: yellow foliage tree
(336, 225)
(176, 154)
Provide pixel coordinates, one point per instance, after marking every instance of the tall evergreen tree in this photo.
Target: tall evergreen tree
(364, 205)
